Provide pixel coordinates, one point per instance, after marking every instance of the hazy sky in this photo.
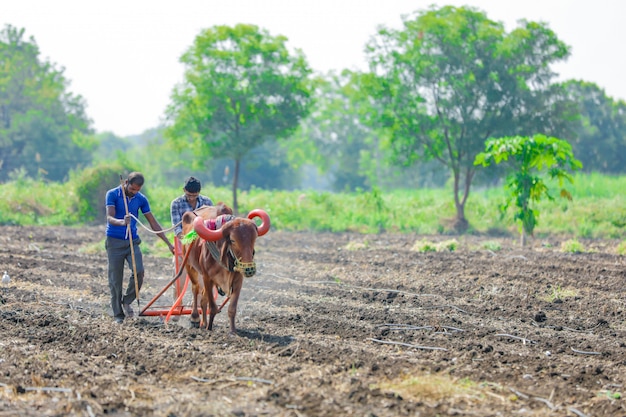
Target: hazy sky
(122, 55)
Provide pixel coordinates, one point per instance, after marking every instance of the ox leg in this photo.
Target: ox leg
(212, 304)
(232, 307)
(204, 304)
(195, 287)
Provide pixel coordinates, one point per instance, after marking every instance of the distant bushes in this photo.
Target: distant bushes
(598, 209)
(91, 185)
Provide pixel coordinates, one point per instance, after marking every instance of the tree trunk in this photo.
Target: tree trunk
(235, 181)
(460, 222)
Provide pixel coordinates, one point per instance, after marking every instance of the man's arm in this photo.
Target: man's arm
(116, 222)
(176, 215)
(154, 224)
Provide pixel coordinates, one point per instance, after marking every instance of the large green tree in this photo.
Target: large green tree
(599, 134)
(44, 130)
(242, 88)
(451, 78)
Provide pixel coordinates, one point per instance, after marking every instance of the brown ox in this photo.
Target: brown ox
(222, 257)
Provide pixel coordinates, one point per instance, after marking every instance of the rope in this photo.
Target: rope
(156, 232)
(215, 253)
(164, 230)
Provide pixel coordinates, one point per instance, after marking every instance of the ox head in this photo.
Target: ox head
(239, 237)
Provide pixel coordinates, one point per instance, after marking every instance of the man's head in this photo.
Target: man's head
(192, 185)
(192, 190)
(134, 182)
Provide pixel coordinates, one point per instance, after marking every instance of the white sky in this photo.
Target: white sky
(122, 55)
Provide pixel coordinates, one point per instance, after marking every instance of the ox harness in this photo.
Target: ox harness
(215, 224)
(248, 269)
(234, 264)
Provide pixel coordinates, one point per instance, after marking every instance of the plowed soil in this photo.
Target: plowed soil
(332, 324)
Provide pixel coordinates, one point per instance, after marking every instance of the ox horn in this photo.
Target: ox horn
(265, 224)
(206, 233)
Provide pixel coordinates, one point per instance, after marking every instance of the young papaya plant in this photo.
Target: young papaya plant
(531, 159)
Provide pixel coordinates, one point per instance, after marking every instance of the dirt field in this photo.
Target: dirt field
(332, 324)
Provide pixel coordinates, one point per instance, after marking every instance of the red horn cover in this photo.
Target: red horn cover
(206, 233)
(265, 224)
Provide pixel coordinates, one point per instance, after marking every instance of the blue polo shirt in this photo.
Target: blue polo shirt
(115, 198)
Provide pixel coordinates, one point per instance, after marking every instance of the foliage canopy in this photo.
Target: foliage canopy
(599, 134)
(530, 157)
(242, 88)
(44, 131)
(451, 78)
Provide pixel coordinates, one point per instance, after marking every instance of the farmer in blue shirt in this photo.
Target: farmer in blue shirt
(118, 243)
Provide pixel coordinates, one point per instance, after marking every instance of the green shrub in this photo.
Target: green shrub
(92, 184)
(444, 246)
(420, 211)
(447, 245)
(572, 246)
(492, 245)
(424, 246)
(33, 202)
(557, 293)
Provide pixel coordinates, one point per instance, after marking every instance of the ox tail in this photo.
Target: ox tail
(182, 266)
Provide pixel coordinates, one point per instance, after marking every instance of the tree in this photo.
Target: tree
(332, 137)
(339, 138)
(110, 146)
(242, 88)
(43, 128)
(451, 78)
(600, 131)
(530, 157)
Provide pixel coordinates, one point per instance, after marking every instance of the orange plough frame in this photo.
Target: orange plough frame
(177, 309)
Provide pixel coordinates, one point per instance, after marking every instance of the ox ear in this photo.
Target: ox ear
(206, 233)
(265, 224)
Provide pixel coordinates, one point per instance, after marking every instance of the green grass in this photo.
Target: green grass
(558, 293)
(597, 211)
(572, 246)
(492, 245)
(427, 246)
(29, 202)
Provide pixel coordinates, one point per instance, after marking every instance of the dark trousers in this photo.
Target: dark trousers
(118, 253)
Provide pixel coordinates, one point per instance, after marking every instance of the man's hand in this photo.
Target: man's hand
(124, 221)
